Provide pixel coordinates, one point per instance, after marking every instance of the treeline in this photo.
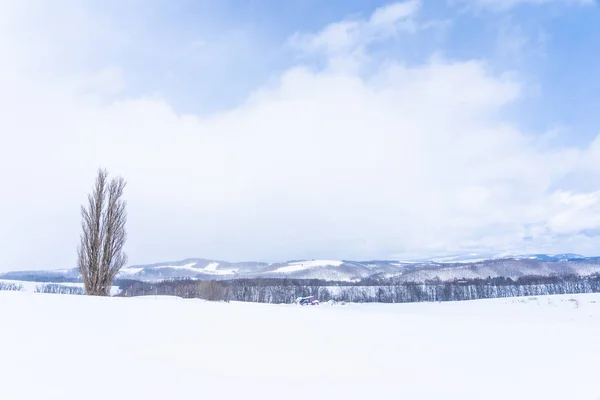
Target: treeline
(372, 290)
(13, 287)
(59, 289)
(186, 288)
(44, 288)
(286, 291)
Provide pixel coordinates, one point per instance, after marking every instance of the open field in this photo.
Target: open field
(74, 347)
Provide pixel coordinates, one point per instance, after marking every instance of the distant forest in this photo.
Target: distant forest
(369, 290)
(286, 291)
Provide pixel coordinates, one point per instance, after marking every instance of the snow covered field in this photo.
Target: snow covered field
(74, 347)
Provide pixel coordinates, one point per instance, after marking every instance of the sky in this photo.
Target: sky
(270, 131)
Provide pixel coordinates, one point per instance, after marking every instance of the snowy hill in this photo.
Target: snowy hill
(444, 268)
(170, 348)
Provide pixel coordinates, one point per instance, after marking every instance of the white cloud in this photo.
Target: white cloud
(575, 213)
(321, 163)
(352, 35)
(387, 17)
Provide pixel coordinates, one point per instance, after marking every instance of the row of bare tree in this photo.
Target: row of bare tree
(288, 290)
(13, 287)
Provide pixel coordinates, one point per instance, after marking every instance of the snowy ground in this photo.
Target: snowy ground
(74, 347)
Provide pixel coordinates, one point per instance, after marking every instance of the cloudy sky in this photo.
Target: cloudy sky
(263, 130)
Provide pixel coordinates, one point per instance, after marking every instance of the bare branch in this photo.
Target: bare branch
(100, 252)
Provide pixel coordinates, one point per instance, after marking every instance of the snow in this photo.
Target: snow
(189, 266)
(459, 260)
(130, 271)
(211, 267)
(304, 265)
(170, 348)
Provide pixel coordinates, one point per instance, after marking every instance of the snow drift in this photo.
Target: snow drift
(56, 347)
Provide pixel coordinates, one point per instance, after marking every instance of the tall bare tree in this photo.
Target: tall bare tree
(100, 252)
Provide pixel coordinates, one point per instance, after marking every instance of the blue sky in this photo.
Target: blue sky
(187, 49)
(301, 129)
(209, 55)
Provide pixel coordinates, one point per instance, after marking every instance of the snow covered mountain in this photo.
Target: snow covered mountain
(445, 268)
(212, 269)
